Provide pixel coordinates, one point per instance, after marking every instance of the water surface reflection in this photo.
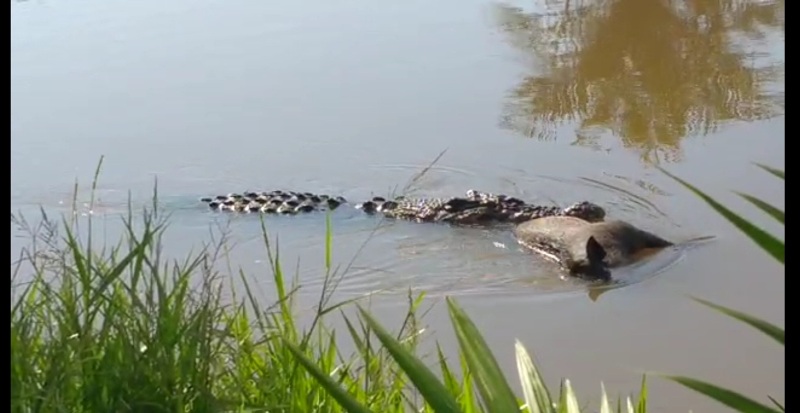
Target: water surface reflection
(650, 73)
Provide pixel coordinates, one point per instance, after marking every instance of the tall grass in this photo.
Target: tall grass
(123, 328)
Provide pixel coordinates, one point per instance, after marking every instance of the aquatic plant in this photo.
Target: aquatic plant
(776, 249)
(481, 371)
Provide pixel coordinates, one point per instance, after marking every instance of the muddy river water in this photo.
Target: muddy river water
(553, 102)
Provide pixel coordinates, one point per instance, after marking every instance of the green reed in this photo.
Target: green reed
(777, 250)
(121, 327)
(126, 329)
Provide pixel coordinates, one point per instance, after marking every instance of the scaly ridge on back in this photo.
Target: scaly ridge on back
(277, 202)
(476, 207)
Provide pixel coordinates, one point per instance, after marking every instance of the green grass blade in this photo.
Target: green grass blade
(569, 402)
(777, 172)
(727, 397)
(469, 402)
(328, 242)
(777, 333)
(342, 397)
(775, 402)
(357, 340)
(767, 242)
(605, 406)
(126, 262)
(537, 396)
(450, 380)
(492, 385)
(771, 210)
(434, 392)
(641, 406)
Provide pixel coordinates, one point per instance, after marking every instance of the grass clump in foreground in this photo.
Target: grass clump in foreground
(122, 328)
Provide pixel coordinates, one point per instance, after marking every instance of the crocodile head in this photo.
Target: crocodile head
(586, 211)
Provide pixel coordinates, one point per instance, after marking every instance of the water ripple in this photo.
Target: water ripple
(441, 259)
(390, 257)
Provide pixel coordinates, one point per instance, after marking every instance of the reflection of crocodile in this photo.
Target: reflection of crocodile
(578, 237)
(474, 208)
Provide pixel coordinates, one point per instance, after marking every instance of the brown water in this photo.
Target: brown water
(553, 102)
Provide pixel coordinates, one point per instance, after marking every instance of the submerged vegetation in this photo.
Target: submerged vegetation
(122, 328)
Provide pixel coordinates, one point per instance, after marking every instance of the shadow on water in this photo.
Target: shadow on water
(650, 73)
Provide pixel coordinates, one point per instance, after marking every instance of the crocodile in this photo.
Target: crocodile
(577, 237)
(588, 249)
(475, 208)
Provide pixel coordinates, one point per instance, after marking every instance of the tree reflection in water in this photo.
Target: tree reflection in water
(648, 72)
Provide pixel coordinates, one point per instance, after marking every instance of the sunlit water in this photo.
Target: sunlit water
(354, 98)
